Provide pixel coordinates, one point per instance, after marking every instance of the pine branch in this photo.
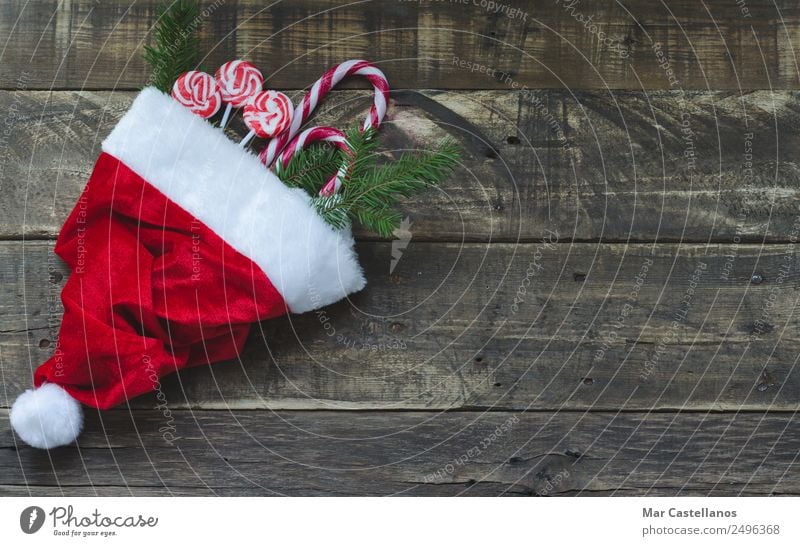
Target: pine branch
(176, 44)
(338, 217)
(311, 169)
(370, 189)
(411, 173)
(383, 221)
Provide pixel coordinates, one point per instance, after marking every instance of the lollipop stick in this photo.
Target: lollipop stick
(226, 115)
(247, 138)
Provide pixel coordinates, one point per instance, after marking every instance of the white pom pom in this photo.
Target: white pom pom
(47, 417)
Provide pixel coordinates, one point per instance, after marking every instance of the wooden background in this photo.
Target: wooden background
(602, 301)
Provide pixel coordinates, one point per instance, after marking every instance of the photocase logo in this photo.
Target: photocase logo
(399, 244)
(31, 519)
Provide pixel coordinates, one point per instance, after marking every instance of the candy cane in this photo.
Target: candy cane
(320, 90)
(319, 134)
(311, 135)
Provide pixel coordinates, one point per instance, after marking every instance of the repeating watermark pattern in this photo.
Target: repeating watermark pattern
(550, 118)
(665, 65)
(80, 239)
(551, 483)
(535, 266)
(687, 133)
(12, 118)
(472, 453)
(196, 228)
(402, 238)
(168, 430)
(366, 345)
(593, 26)
(679, 317)
(54, 313)
(744, 9)
(610, 337)
(762, 323)
(744, 211)
(55, 310)
(205, 13)
(489, 6)
(481, 68)
(393, 344)
(197, 257)
(533, 98)
(688, 137)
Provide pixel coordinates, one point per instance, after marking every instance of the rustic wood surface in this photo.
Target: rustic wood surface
(415, 453)
(544, 44)
(443, 332)
(590, 165)
(602, 301)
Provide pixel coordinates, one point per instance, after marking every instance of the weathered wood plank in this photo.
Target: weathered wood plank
(89, 44)
(417, 453)
(491, 326)
(592, 166)
(112, 491)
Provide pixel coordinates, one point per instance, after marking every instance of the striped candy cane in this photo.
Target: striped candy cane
(319, 134)
(317, 94)
(311, 135)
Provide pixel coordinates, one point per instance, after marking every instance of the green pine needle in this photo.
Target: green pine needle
(176, 44)
(311, 170)
(371, 188)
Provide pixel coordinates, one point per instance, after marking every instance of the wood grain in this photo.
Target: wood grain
(523, 326)
(650, 348)
(593, 166)
(555, 44)
(415, 453)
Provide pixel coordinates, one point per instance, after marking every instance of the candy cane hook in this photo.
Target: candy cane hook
(317, 94)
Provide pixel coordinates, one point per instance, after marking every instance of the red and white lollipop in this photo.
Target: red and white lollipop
(267, 114)
(238, 81)
(198, 92)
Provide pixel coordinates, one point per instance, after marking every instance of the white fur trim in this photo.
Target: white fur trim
(228, 189)
(47, 417)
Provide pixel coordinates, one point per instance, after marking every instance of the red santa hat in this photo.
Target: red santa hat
(179, 242)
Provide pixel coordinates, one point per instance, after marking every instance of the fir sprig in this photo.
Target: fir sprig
(371, 187)
(311, 168)
(176, 44)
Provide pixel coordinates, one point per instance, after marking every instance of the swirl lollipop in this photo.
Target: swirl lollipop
(237, 82)
(267, 114)
(198, 92)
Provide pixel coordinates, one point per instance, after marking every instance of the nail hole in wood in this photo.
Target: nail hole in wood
(397, 327)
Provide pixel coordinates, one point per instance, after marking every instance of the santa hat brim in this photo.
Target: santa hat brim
(229, 190)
